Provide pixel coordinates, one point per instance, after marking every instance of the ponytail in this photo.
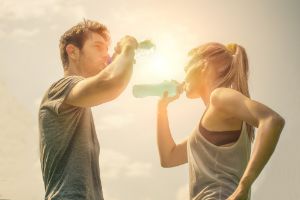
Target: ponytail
(233, 72)
(240, 67)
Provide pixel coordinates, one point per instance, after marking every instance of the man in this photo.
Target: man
(69, 148)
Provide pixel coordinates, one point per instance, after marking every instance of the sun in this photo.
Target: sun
(161, 63)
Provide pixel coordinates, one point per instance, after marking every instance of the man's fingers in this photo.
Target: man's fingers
(129, 40)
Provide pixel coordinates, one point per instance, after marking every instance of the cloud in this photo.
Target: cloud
(137, 169)
(37, 103)
(2, 33)
(39, 9)
(22, 20)
(114, 164)
(109, 196)
(113, 121)
(183, 193)
(14, 13)
(76, 11)
(24, 33)
(18, 151)
(26, 9)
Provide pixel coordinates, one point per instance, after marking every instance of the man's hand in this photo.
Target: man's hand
(127, 42)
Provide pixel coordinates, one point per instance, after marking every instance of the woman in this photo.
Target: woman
(218, 150)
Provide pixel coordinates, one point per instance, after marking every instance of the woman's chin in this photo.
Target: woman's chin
(191, 95)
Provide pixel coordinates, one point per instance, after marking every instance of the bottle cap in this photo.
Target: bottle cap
(146, 44)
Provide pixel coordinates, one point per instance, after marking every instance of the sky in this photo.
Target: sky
(129, 162)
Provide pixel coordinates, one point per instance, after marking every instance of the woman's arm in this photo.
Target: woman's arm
(268, 122)
(171, 154)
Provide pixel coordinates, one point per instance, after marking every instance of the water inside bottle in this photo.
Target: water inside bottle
(144, 90)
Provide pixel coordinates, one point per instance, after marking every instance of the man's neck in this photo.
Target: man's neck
(72, 71)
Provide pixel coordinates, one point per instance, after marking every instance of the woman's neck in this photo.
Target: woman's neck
(206, 92)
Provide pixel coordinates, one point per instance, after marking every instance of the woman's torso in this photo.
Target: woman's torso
(215, 170)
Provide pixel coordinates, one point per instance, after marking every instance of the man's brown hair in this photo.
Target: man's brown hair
(78, 34)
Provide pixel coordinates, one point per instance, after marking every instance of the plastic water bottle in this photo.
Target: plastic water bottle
(145, 45)
(144, 90)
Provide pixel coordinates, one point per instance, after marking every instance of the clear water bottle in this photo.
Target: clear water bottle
(143, 46)
(144, 90)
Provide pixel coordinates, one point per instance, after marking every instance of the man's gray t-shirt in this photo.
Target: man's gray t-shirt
(69, 148)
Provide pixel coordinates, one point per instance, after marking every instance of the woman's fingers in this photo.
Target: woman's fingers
(166, 99)
(165, 95)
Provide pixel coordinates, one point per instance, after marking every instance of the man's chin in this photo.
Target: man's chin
(100, 68)
(103, 66)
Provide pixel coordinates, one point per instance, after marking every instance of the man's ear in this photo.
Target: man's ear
(72, 51)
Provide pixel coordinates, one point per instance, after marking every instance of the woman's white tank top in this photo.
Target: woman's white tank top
(215, 171)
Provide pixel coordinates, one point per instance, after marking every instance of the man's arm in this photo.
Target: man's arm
(107, 84)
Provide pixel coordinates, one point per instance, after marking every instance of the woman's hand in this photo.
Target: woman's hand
(241, 193)
(165, 100)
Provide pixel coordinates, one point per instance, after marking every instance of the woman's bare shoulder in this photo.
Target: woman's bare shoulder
(222, 96)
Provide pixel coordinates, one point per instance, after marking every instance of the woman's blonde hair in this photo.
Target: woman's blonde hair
(231, 64)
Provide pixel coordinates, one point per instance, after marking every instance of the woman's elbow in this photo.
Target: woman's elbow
(278, 121)
(165, 164)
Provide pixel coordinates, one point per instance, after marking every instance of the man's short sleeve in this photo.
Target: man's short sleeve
(58, 92)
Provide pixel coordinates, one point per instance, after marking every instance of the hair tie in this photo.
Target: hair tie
(231, 47)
